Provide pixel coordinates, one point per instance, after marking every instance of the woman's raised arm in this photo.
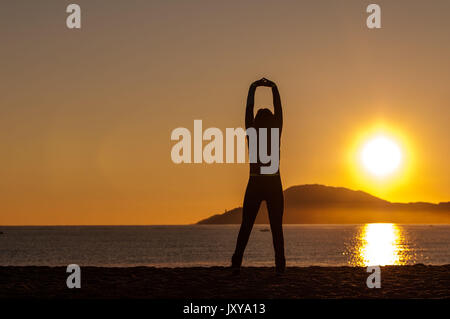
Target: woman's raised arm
(250, 105)
(278, 112)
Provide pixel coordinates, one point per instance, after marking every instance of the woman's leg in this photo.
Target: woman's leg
(275, 207)
(252, 201)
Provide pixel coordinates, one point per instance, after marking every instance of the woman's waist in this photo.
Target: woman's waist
(256, 168)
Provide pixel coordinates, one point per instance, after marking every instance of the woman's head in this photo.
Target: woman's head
(264, 118)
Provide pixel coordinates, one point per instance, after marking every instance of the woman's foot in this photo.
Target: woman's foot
(280, 270)
(280, 266)
(235, 270)
(236, 264)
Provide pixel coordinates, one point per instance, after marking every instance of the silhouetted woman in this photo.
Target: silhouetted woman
(262, 187)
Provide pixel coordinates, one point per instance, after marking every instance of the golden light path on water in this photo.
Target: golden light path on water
(379, 245)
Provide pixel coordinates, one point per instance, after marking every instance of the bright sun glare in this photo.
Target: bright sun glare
(381, 156)
(381, 245)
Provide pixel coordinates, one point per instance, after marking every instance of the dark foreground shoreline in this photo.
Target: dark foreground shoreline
(399, 282)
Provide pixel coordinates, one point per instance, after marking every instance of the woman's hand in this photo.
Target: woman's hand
(268, 83)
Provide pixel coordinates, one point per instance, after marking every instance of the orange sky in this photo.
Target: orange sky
(86, 116)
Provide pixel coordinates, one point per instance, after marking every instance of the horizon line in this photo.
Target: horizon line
(195, 224)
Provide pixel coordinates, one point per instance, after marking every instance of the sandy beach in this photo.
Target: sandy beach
(418, 281)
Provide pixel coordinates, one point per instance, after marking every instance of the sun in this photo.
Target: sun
(381, 156)
(382, 159)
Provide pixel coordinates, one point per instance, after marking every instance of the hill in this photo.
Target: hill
(319, 204)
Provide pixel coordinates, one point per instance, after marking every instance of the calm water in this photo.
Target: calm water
(323, 245)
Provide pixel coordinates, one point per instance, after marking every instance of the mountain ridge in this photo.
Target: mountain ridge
(317, 204)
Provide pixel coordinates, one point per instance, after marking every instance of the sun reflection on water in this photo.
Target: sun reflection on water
(380, 245)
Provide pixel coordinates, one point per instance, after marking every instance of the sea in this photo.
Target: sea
(213, 245)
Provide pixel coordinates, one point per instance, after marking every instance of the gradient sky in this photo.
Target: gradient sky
(86, 115)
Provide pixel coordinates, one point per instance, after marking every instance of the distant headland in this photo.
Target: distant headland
(319, 204)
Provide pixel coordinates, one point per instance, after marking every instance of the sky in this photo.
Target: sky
(86, 115)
